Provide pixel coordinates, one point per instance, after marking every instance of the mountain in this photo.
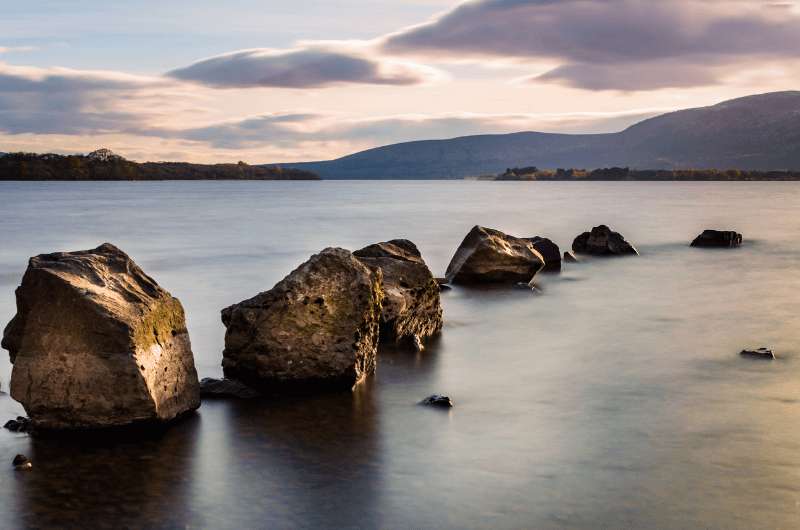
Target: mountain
(754, 132)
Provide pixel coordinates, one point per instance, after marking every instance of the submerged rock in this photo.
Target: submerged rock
(569, 257)
(490, 256)
(411, 310)
(97, 343)
(316, 329)
(761, 353)
(437, 400)
(718, 239)
(21, 424)
(443, 285)
(21, 462)
(549, 252)
(225, 388)
(602, 241)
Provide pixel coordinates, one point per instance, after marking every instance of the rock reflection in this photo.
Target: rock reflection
(128, 479)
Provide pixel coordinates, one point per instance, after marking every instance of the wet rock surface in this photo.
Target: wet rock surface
(97, 343)
(437, 400)
(490, 256)
(412, 309)
(718, 239)
(602, 241)
(226, 388)
(569, 257)
(316, 329)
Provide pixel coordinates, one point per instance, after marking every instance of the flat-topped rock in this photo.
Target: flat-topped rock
(718, 239)
(97, 343)
(316, 329)
(549, 252)
(411, 310)
(760, 353)
(602, 241)
(490, 256)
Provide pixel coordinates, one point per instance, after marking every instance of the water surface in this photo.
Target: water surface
(613, 398)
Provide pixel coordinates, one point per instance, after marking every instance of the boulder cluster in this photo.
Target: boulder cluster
(97, 343)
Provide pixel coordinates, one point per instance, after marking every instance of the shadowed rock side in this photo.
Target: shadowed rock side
(549, 251)
(412, 310)
(97, 343)
(316, 329)
(490, 256)
(718, 239)
(602, 241)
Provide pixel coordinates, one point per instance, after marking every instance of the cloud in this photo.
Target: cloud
(291, 129)
(314, 66)
(620, 44)
(65, 101)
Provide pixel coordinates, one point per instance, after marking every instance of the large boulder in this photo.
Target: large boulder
(412, 310)
(549, 251)
(490, 256)
(316, 329)
(718, 239)
(97, 343)
(602, 241)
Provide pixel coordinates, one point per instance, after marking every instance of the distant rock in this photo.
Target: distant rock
(316, 329)
(490, 256)
(761, 353)
(411, 310)
(226, 388)
(437, 400)
(602, 241)
(718, 239)
(549, 251)
(21, 462)
(97, 343)
(569, 257)
(21, 424)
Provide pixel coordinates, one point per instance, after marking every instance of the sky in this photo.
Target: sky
(275, 81)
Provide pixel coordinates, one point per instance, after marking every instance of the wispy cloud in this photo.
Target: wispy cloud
(313, 66)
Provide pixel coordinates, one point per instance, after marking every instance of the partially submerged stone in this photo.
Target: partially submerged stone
(549, 252)
(760, 353)
(226, 388)
(411, 310)
(97, 343)
(21, 462)
(490, 256)
(437, 400)
(602, 241)
(569, 257)
(21, 424)
(718, 239)
(315, 329)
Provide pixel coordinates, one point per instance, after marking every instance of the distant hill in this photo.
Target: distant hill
(105, 165)
(760, 132)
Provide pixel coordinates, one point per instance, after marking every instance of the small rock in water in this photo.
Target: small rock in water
(21, 424)
(21, 462)
(222, 388)
(437, 400)
(569, 257)
(761, 353)
(718, 239)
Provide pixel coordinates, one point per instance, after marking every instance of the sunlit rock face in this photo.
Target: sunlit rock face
(549, 251)
(317, 329)
(97, 343)
(490, 256)
(602, 241)
(412, 310)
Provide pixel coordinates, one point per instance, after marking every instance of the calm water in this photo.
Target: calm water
(614, 398)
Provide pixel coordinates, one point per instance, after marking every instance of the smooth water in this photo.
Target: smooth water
(614, 398)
